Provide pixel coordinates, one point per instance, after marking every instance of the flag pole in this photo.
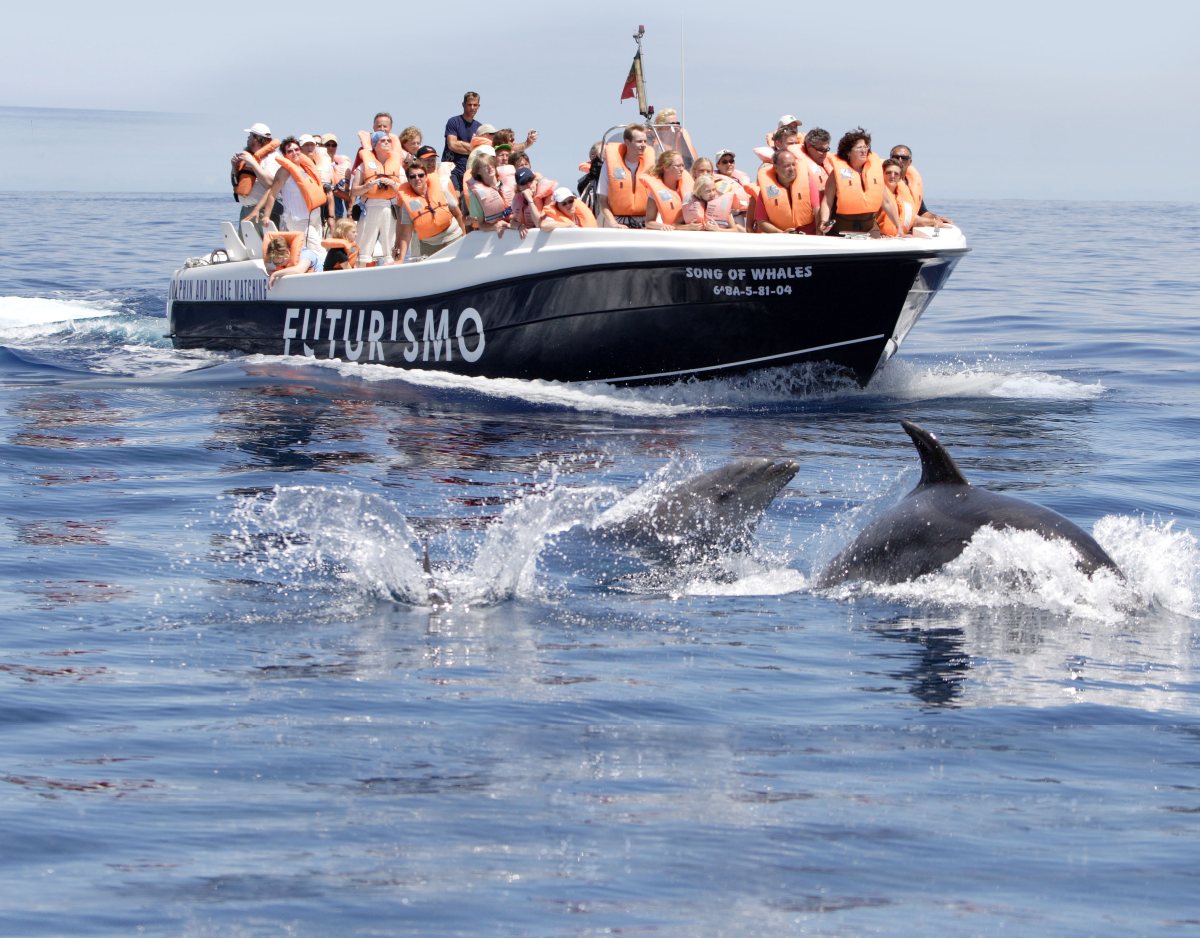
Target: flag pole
(636, 82)
(643, 108)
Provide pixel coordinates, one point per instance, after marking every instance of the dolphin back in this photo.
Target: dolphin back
(933, 524)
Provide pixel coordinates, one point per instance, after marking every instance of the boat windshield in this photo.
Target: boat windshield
(662, 137)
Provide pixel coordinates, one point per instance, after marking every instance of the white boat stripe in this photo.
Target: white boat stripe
(747, 361)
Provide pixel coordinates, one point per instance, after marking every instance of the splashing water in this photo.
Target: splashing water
(1009, 568)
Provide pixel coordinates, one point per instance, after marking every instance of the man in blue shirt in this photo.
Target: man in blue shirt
(459, 130)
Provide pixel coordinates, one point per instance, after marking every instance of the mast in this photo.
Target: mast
(636, 82)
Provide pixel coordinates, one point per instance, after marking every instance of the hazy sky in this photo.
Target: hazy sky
(1015, 99)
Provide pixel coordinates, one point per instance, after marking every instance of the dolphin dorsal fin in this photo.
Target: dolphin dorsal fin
(936, 465)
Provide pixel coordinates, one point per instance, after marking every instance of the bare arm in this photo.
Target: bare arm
(264, 205)
(403, 237)
(828, 204)
(454, 145)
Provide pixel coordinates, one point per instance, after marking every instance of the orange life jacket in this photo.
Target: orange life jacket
(718, 210)
(304, 172)
(582, 217)
(373, 168)
(819, 170)
(506, 175)
(916, 185)
(430, 213)
(790, 208)
(294, 241)
(905, 208)
(243, 176)
(736, 186)
(859, 192)
(539, 195)
(324, 164)
(627, 196)
(670, 201)
(349, 247)
(490, 199)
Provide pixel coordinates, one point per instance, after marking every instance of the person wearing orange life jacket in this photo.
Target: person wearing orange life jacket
(906, 204)
(253, 168)
(426, 212)
(428, 158)
(623, 187)
(341, 251)
(903, 155)
(566, 211)
(669, 185)
(283, 255)
(814, 154)
(726, 185)
(298, 189)
(727, 169)
(380, 122)
(787, 198)
(709, 207)
(906, 211)
(533, 195)
(785, 134)
(485, 201)
(668, 134)
(376, 182)
(527, 209)
(855, 191)
(311, 147)
(484, 149)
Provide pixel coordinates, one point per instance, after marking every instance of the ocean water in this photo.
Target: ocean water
(228, 708)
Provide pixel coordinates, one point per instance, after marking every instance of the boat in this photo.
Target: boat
(599, 304)
(595, 304)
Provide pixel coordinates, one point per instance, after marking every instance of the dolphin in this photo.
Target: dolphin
(703, 516)
(692, 521)
(935, 521)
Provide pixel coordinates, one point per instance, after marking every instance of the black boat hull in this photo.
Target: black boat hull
(629, 321)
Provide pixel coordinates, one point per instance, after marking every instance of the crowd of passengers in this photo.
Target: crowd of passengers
(397, 200)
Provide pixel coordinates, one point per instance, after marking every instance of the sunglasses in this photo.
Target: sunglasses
(725, 159)
(331, 144)
(412, 176)
(820, 149)
(906, 158)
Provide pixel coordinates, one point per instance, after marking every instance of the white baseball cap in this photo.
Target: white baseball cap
(788, 119)
(259, 130)
(562, 193)
(306, 138)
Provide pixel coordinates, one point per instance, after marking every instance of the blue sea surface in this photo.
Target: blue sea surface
(227, 706)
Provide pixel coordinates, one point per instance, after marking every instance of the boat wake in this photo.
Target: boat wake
(904, 380)
(108, 334)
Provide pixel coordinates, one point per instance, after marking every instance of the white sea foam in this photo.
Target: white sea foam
(1009, 568)
(29, 313)
(905, 380)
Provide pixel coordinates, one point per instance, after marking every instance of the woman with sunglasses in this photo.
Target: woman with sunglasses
(297, 187)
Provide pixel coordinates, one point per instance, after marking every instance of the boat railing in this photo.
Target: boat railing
(662, 137)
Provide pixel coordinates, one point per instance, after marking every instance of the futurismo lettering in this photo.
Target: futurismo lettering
(358, 334)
